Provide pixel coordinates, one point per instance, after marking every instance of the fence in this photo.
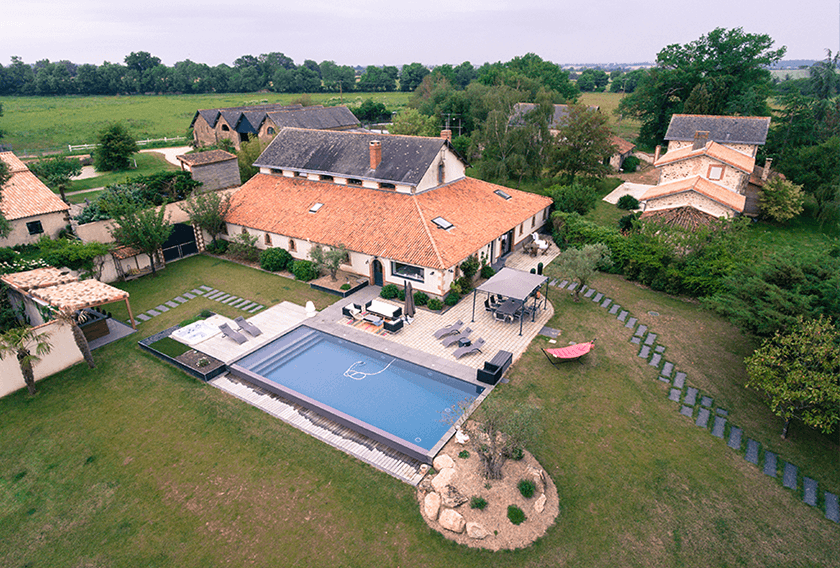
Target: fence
(77, 147)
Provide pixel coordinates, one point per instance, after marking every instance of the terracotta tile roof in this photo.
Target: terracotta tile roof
(386, 224)
(713, 150)
(38, 278)
(700, 185)
(622, 145)
(124, 252)
(204, 158)
(81, 294)
(721, 129)
(24, 195)
(685, 217)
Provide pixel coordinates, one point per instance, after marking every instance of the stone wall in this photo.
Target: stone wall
(689, 198)
(748, 149)
(733, 178)
(203, 134)
(219, 175)
(52, 223)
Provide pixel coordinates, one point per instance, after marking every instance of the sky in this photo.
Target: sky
(396, 32)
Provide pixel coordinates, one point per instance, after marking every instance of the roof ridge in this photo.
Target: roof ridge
(425, 225)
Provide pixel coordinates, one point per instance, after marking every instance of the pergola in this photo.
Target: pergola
(513, 284)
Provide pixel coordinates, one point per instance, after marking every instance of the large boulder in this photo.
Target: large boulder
(443, 479)
(452, 498)
(452, 520)
(431, 505)
(536, 475)
(442, 461)
(539, 504)
(476, 531)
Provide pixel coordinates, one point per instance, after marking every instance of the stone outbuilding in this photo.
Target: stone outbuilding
(215, 169)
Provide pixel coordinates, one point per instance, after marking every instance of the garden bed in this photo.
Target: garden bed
(192, 362)
(330, 286)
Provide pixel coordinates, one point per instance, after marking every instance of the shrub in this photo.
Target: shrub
(463, 454)
(516, 454)
(464, 285)
(205, 314)
(470, 266)
(527, 488)
(487, 271)
(243, 247)
(627, 202)
(452, 298)
(478, 503)
(626, 223)
(630, 164)
(217, 247)
(275, 259)
(435, 304)
(420, 299)
(515, 515)
(7, 255)
(389, 291)
(401, 294)
(781, 200)
(345, 286)
(304, 270)
(574, 198)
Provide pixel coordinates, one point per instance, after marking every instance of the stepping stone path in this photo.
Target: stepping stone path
(703, 418)
(650, 339)
(631, 322)
(691, 397)
(706, 401)
(153, 313)
(752, 451)
(143, 317)
(719, 427)
(645, 352)
(202, 291)
(769, 464)
(635, 340)
(161, 308)
(667, 369)
(810, 491)
(666, 380)
(721, 412)
(172, 304)
(734, 438)
(572, 286)
(589, 293)
(614, 309)
(654, 361)
(674, 395)
(789, 479)
(660, 349)
(832, 511)
(679, 380)
(563, 284)
(687, 411)
(622, 316)
(598, 297)
(606, 303)
(180, 299)
(640, 331)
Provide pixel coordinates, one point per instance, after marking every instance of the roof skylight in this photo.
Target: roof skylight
(502, 194)
(316, 207)
(442, 223)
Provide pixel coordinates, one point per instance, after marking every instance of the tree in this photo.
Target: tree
(145, 229)
(56, 172)
(208, 211)
(581, 264)
(20, 341)
(330, 259)
(573, 198)
(504, 432)
(410, 122)
(248, 153)
(727, 67)
(781, 200)
(583, 144)
(370, 111)
(799, 371)
(824, 79)
(412, 75)
(114, 149)
(73, 318)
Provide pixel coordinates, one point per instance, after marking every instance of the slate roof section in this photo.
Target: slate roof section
(405, 159)
(560, 112)
(318, 117)
(205, 158)
(24, 195)
(701, 185)
(387, 224)
(721, 129)
(211, 115)
(712, 150)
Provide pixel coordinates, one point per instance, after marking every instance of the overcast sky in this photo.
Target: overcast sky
(376, 32)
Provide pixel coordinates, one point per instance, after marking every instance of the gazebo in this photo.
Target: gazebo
(516, 285)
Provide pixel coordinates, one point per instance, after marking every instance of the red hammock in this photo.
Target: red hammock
(561, 354)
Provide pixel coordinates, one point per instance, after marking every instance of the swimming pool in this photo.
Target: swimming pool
(388, 399)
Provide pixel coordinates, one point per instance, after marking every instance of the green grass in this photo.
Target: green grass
(136, 464)
(36, 124)
(626, 128)
(169, 346)
(147, 164)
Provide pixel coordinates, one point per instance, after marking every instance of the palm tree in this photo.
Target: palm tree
(73, 318)
(19, 341)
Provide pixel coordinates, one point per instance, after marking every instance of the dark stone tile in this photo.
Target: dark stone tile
(734, 438)
(614, 309)
(789, 478)
(687, 411)
(719, 427)
(810, 491)
(721, 412)
(752, 451)
(654, 361)
(645, 352)
(706, 401)
(691, 396)
(674, 394)
(598, 297)
(650, 339)
(679, 379)
(667, 368)
(769, 463)
(832, 511)
(703, 418)
(631, 322)
(162, 309)
(623, 315)
(640, 331)
(636, 340)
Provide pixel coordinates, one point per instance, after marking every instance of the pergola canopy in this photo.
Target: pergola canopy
(513, 284)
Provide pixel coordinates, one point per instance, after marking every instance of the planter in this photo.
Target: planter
(191, 362)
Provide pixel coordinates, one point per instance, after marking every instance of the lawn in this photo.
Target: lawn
(626, 128)
(137, 464)
(147, 164)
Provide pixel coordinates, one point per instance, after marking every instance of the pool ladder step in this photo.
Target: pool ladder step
(295, 347)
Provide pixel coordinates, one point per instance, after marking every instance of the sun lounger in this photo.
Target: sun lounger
(469, 349)
(449, 330)
(452, 340)
(561, 354)
(235, 335)
(247, 326)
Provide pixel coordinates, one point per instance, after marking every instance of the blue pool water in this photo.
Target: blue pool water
(403, 399)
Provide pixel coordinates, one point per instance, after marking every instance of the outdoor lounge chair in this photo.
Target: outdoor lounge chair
(235, 335)
(563, 354)
(449, 330)
(469, 349)
(247, 326)
(452, 340)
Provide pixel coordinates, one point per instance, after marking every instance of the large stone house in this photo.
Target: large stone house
(30, 207)
(402, 205)
(239, 124)
(709, 170)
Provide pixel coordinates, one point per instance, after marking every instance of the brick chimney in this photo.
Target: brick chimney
(375, 154)
(446, 134)
(700, 139)
(766, 171)
(657, 153)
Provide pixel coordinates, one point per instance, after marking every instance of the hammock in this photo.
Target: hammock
(561, 354)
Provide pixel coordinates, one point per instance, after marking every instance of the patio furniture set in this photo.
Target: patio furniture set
(377, 313)
(506, 310)
(237, 335)
(536, 245)
(453, 334)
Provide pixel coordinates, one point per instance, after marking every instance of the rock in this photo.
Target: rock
(452, 520)
(443, 479)
(539, 504)
(461, 437)
(425, 485)
(452, 498)
(442, 461)
(476, 531)
(431, 505)
(536, 475)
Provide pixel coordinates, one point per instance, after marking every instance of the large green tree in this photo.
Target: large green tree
(143, 228)
(582, 263)
(114, 149)
(799, 372)
(208, 211)
(583, 144)
(722, 73)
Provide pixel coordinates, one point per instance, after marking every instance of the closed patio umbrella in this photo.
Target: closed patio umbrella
(409, 300)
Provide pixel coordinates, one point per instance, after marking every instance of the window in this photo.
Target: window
(327, 178)
(270, 130)
(292, 247)
(224, 229)
(407, 271)
(267, 240)
(441, 172)
(225, 128)
(442, 223)
(34, 228)
(353, 181)
(384, 185)
(315, 208)
(715, 172)
(502, 194)
(533, 221)
(244, 231)
(300, 174)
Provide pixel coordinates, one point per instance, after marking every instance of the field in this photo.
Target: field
(136, 464)
(626, 128)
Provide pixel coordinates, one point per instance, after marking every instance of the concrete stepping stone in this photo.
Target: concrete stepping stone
(810, 491)
(679, 379)
(606, 303)
(188, 296)
(162, 309)
(666, 380)
(719, 427)
(631, 322)
(213, 295)
(589, 293)
(172, 304)
(667, 368)
(614, 309)
(686, 411)
(654, 361)
(650, 339)
(143, 317)
(256, 309)
(789, 477)
(598, 297)
(572, 286)
(623, 315)
(703, 418)
(691, 396)
(179, 299)
(660, 349)
(206, 288)
(563, 284)
(706, 401)
(197, 292)
(152, 313)
(240, 303)
(584, 289)
(222, 298)
(674, 394)
(248, 306)
(636, 340)
(832, 512)
(553, 282)
(734, 438)
(752, 451)
(721, 412)
(645, 352)
(231, 300)
(769, 463)
(640, 331)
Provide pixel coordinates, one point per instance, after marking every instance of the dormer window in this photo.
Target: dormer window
(354, 181)
(385, 185)
(502, 194)
(316, 207)
(225, 128)
(327, 178)
(270, 130)
(442, 223)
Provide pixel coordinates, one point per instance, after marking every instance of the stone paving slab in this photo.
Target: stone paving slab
(650, 339)
(584, 289)
(660, 349)
(645, 352)
(614, 309)
(214, 294)
(549, 332)
(703, 418)
(686, 411)
(172, 304)
(810, 491)
(719, 427)
(623, 315)
(143, 317)
(752, 451)
(640, 331)
(152, 313)
(631, 322)
(635, 340)
(589, 293)
(666, 380)
(553, 282)
(598, 297)
(563, 284)
(706, 401)
(769, 463)
(679, 379)
(674, 394)
(789, 478)
(231, 300)
(606, 303)
(654, 361)
(572, 287)
(248, 306)
(239, 303)
(179, 299)
(162, 309)
(189, 296)
(197, 292)
(734, 438)
(667, 368)
(721, 412)
(222, 298)
(256, 309)
(691, 396)
(206, 288)
(832, 511)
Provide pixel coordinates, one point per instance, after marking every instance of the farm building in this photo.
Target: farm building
(215, 169)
